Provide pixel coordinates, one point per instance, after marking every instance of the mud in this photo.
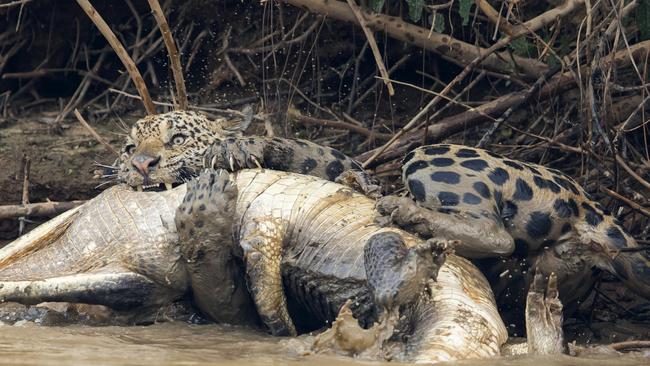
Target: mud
(61, 162)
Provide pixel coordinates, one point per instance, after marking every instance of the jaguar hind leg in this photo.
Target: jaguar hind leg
(205, 222)
(479, 237)
(544, 317)
(397, 274)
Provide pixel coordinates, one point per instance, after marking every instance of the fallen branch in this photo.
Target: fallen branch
(43, 209)
(172, 50)
(472, 118)
(622, 346)
(495, 17)
(449, 48)
(121, 53)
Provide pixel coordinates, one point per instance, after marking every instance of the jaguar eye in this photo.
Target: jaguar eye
(129, 149)
(178, 139)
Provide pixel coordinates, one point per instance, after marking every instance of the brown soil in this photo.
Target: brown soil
(61, 162)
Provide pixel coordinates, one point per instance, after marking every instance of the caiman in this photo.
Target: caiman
(122, 250)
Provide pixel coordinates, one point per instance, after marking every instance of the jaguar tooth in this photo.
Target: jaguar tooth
(168, 186)
(139, 188)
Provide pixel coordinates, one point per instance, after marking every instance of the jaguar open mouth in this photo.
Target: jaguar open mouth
(156, 187)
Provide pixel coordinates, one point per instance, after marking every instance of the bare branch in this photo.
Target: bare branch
(449, 48)
(121, 53)
(373, 46)
(172, 50)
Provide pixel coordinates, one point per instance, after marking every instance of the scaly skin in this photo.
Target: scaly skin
(309, 235)
(121, 250)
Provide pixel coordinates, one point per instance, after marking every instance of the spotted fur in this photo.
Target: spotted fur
(536, 208)
(178, 145)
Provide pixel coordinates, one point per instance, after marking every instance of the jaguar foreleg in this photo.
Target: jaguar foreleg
(205, 222)
(479, 236)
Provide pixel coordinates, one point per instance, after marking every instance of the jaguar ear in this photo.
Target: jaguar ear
(236, 126)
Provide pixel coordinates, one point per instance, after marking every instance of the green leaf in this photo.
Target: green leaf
(439, 23)
(463, 9)
(415, 9)
(522, 47)
(376, 5)
(643, 19)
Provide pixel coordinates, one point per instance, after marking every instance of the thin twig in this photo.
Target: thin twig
(14, 3)
(121, 53)
(343, 125)
(94, 133)
(627, 201)
(373, 46)
(631, 172)
(495, 17)
(527, 95)
(25, 195)
(172, 50)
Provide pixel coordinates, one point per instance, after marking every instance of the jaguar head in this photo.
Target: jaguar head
(165, 150)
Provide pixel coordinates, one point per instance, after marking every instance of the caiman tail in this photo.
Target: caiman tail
(120, 249)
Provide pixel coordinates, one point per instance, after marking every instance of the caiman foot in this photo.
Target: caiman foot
(397, 274)
(205, 222)
(544, 317)
(360, 181)
(348, 338)
(403, 213)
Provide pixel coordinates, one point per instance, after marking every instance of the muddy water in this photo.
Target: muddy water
(179, 343)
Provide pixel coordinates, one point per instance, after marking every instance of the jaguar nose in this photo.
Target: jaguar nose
(144, 163)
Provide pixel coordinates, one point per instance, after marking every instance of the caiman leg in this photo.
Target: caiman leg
(397, 274)
(205, 222)
(261, 240)
(479, 237)
(117, 289)
(361, 182)
(544, 317)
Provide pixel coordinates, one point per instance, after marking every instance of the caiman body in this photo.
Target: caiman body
(307, 235)
(121, 249)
